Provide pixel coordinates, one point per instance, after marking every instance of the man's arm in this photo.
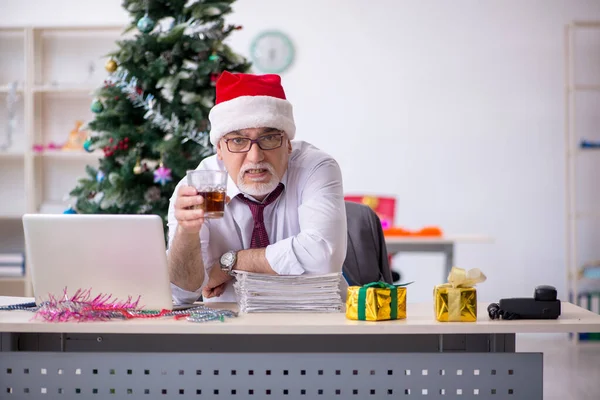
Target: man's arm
(320, 246)
(252, 260)
(186, 268)
(185, 256)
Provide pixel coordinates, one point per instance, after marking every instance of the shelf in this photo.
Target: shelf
(6, 89)
(12, 279)
(579, 151)
(584, 88)
(83, 28)
(586, 24)
(10, 217)
(70, 155)
(12, 29)
(11, 155)
(585, 215)
(65, 88)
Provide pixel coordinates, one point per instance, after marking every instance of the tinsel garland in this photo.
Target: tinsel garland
(129, 85)
(81, 307)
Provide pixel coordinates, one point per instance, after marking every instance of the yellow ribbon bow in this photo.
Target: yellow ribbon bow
(460, 278)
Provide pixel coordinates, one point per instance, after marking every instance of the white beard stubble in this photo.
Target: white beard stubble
(257, 188)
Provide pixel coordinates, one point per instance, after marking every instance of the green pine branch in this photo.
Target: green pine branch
(176, 63)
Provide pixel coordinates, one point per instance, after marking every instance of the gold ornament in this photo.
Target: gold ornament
(137, 169)
(111, 65)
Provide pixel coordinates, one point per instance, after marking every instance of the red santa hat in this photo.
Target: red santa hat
(250, 101)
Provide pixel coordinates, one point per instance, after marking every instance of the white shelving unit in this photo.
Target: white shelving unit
(56, 69)
(582, 165)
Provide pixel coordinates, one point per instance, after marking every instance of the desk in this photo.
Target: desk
(445, 245)
(291, 356)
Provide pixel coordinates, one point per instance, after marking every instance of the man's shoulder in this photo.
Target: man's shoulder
(306, 155)
(212, 163)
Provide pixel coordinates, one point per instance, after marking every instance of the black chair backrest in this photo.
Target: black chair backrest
(366, 256)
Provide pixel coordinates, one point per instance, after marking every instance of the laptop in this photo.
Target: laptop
(119, 255)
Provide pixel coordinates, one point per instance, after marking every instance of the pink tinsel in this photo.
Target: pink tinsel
(80, 307)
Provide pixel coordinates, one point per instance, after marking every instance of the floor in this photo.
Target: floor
(571, 371)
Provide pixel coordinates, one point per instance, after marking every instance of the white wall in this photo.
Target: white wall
(456, 108)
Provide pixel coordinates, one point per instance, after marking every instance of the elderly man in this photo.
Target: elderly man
(286, 214)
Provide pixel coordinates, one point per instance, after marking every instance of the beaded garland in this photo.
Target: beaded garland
(81, 307)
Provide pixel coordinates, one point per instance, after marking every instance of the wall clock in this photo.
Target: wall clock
(272, 52)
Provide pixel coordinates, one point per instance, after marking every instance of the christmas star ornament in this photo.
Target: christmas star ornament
(162, 175)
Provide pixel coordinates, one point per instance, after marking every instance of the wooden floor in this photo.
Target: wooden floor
(571, 372)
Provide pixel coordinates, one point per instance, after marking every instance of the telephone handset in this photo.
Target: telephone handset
(543, 305)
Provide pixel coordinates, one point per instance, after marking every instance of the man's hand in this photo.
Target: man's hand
(217, 281)
(189, 217)
(214, 292)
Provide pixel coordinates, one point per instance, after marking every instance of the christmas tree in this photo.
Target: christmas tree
(151, 114)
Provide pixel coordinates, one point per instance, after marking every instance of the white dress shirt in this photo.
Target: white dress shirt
(306, 224)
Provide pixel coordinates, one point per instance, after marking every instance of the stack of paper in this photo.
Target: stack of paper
(284, 293)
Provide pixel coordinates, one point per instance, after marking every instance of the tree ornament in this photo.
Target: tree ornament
(97, 106)
(87, 145)
(70, 210)
(99, 176)
(111, 66)
(137, 169)
(146, 24)
(214, 57)
(162, 175)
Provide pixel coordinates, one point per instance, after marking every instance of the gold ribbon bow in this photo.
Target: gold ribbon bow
(460, 278)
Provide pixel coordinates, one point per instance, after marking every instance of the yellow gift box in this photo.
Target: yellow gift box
(456, 301)
(376, 301)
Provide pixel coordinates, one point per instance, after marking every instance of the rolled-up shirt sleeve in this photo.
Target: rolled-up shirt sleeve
(320, 246)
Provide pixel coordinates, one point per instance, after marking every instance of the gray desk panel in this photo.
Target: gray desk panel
(26, 375)
(81, 342)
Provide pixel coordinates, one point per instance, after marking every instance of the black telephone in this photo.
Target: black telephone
(543, 305)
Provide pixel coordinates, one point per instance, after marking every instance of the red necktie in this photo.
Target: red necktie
(260, 238)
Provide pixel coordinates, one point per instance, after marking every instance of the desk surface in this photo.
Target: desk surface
(420, 321)
(438, 240)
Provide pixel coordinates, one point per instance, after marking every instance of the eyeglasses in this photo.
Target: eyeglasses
(243, 145)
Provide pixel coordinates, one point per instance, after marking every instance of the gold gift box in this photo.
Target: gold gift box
(455, 304)
(456, 301)
(376, 302)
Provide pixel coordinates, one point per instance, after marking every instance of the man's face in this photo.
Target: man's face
(256, 172)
